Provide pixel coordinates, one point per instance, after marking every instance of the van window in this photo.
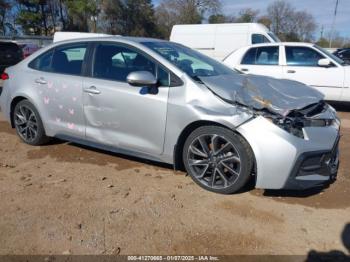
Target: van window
(259, 38)
(262, 56)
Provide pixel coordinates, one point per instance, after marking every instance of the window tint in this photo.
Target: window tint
(117, 62)
(43, 62)
(249, 57)
(262, 56)
(188, 60)
(302, 56)
(258, 38)
(267, 55)
(68, 59)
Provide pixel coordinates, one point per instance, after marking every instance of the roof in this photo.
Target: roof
(111, 38)
(282, 44)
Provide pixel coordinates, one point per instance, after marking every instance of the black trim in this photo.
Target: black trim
(53, 49)
(322, 168)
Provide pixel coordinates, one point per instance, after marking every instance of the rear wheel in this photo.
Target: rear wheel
(217, 159)
(28, 124)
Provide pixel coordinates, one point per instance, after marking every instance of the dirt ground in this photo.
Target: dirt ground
(67, 199)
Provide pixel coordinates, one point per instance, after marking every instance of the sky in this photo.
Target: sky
(322, 10)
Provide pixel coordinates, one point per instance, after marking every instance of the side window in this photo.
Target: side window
(262, 56)
(267, 55)
(259, 38)
(116, 62)
(43, 62)
(302, 56)
(249, 57)
(68, 59)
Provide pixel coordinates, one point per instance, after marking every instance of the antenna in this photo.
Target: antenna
(333, 24)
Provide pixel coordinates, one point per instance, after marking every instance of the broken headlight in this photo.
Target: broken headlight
(295, 125)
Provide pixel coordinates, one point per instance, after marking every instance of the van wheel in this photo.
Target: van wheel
(217, 159)
(28, 124)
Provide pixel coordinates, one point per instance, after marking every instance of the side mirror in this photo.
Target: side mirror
(325, 62)
(141, 78)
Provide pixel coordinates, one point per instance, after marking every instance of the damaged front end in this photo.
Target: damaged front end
(294, 134)
(295, 122)
(290, 105)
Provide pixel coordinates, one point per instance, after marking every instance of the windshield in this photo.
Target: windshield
(189, 61)
(335, 58)
(274, 37)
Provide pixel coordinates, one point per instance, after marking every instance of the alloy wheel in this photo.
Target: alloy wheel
(26, 123)
(214, 161)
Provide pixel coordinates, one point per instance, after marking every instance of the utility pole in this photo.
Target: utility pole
(333, 24)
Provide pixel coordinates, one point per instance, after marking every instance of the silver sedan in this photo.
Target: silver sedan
(165, 102)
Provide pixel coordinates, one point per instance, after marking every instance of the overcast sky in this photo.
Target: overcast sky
(322, 10)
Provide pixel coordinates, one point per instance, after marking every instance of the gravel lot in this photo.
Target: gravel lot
(66, 199)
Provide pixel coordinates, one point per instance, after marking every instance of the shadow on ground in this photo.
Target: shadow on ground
(334, 255)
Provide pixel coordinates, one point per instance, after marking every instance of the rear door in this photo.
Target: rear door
(262, 61)
(302, 65)
(58, 86)
(118, 114)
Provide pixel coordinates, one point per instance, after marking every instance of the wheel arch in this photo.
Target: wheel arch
(18, 98)
(177, 156)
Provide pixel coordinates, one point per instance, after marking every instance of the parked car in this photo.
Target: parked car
(10, 54)
(29, 49)
(343, 54)
(303, 62)
(165, 102)
(219, 40)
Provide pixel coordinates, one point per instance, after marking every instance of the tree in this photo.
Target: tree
(217, 19)
(82, 14)
(32, 17)
(139, 18)
(171, 12)
(265, 21)
(289, 24)
(247, 15)
(111, 19)
(4, 8)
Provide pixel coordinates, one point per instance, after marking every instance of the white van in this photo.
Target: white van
(219, 40)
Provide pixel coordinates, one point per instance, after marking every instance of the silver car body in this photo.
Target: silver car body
(117, 117)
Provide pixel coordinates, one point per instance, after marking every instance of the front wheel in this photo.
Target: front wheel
(28, 124)
(217, 159)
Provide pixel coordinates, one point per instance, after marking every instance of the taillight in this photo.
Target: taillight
(4, 76)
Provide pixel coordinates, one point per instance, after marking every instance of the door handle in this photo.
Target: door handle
(244, 69)
(92, 90)
(291, 72)
(40, 81)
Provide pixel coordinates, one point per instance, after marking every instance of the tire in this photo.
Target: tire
(217, 159)
(28, 124)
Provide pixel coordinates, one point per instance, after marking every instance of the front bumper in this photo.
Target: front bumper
(314, 169)
(284, 161)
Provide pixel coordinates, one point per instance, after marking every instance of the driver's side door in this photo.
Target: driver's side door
(118, 114)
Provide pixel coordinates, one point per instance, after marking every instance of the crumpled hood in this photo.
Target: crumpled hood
(259, 92)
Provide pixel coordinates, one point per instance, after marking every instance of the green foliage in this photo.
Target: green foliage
(81, 13)
(32, 17)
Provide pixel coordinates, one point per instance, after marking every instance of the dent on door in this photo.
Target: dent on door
(123, 116)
